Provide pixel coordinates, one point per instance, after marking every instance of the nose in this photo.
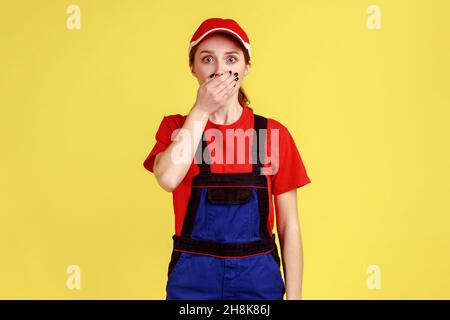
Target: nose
(225, 71)
(220, 72)
(222, 68)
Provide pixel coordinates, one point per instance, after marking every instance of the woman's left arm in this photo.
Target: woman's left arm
(288, 228)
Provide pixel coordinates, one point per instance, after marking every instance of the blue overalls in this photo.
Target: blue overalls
(225, 250)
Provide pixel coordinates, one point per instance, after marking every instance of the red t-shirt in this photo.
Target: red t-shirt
(290, 172)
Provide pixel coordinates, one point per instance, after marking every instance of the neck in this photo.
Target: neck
(229, 113)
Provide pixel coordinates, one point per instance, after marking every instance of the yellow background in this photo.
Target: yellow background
(368, 109)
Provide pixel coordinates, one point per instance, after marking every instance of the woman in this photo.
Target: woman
(224, 247)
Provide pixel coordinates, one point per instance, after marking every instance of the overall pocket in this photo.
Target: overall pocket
(176, 260)
(274, 266)
(229, 195)
(229, 214)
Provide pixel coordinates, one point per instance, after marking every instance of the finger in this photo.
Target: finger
(230, 86)
(218, 80)
(226, 94)
(223, 79)
(230, 83)
(211, 78)
(225, 84)
(230, 90)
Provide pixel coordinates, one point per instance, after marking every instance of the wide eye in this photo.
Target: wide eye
(232, 59)
(207, 59)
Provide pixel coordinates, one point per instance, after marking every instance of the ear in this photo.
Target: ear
(192, 70)
(248, 66)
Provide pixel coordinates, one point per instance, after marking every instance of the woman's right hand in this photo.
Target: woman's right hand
(215, 91)
(212, 95)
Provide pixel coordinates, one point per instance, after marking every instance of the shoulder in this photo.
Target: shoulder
(277, 125)
(173, 121)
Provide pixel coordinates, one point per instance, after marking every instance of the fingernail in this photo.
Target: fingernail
(230, 71)
(235, 74)
(212, 75)
(237, 78)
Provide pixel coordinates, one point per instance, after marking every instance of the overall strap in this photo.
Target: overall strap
(258, 147)
(259, 142)
(203, 164)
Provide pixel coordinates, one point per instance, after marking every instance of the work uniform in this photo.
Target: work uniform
(225, 203)
(225, 250)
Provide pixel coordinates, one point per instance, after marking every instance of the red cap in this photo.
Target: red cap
(214, 25)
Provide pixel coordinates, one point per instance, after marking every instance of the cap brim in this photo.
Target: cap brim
(221, 30)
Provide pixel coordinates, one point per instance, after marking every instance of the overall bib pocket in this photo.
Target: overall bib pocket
(229, 195)
(229, 213)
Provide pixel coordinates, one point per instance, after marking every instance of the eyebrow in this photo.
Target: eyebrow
(228, 52)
